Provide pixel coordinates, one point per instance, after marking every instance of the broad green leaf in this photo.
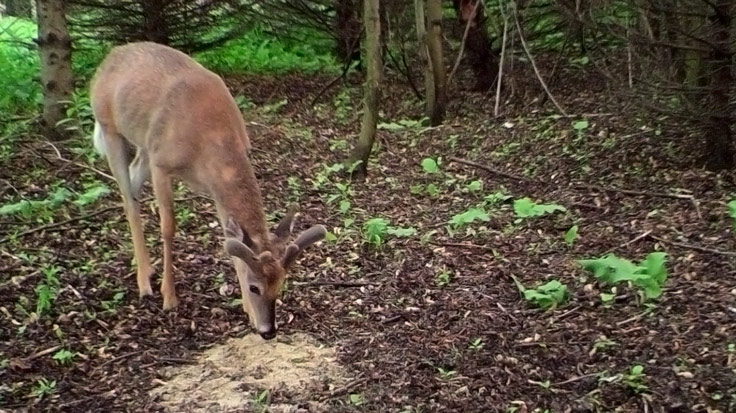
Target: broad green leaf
(429, 165)
(655, 266)
(571, 235)
(469, 216)
(525, 208)
(402, 232)
(580, 125)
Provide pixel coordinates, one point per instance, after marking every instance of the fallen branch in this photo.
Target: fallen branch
(694, 247)
(81, 165)
(489, 169)
(59, 224)
(574, 379)
(345, 284)
(638, 238)
(344, 389)
(461, 245)
(634, 192)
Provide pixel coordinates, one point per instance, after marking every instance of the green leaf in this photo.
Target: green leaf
(580, 125)
(432, 190)
(91, 195)
(637, 370)
(571, 235)
(374, 230)
(475, 186)
(402, 232)
(655, 266)
(344, 206)
(356, 399)
(429, 165)
(526, 208)
(469, 216)
(496, 198)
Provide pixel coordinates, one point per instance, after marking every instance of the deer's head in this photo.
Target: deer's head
(261, 271)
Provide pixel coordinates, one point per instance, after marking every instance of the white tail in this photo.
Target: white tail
(183, 123)
(99, 141)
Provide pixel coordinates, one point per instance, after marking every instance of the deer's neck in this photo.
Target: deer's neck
(237, 195)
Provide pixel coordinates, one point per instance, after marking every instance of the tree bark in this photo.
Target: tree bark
(56, 62)
(155, 25)
(18, 8)
(481, 58)
(718, 131)
(436, 106)
(429, 88)
(374, 68)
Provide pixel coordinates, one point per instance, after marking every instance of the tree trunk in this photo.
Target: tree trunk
(18, 8)
(718, 132)
(154, 21)
(436, 107)
(429, 89)
(480, 57)
(55, 50)
(374, 68)
(347, 31)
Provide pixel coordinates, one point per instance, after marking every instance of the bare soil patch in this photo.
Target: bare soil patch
(233, 376)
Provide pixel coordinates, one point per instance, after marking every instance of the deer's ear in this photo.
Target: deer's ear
(235, 231)
(310, 236)
(286, 226)
(304, 240)
(239, 250)
(290, 255)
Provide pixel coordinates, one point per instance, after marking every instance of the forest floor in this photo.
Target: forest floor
(430, 322)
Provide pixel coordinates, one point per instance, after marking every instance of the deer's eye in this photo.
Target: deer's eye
(255, 290)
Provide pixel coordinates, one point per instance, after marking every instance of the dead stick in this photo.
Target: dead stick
(461, 245)
(334, 283)
(634, 192)
(59, 224)
(344, 389)
(489, 169)
(694, 247)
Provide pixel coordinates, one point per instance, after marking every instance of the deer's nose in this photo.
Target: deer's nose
(268, 334)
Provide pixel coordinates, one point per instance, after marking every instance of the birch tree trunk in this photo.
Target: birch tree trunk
(374, 68)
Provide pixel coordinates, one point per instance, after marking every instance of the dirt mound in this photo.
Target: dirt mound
(234, 376)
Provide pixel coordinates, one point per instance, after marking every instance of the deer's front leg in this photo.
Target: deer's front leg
(165, 200)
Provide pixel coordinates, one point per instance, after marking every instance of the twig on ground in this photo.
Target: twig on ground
(638, 238)
(489, 169)
(81, 165)
(634, 192)
(574, 379)
(694, 247)
(462, 245)
(344, 284)
(59, 224)
(344, 389)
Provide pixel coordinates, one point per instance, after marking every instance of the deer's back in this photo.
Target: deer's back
(161, 99)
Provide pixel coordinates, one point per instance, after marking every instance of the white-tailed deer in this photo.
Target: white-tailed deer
(183, 123)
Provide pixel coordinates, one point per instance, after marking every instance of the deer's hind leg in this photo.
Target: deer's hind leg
(117, 157)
